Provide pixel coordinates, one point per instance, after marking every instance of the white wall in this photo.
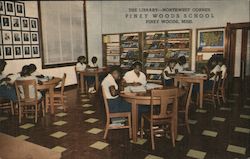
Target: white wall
(109, 17)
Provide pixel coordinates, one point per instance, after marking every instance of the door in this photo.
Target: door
(238, 58)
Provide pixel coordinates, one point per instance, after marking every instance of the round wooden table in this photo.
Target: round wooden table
(143, 98)
(50, 86)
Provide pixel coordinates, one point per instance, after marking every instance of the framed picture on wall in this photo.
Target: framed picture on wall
(9, 8)
(8, 51)
(6, 23)
(20, 9)
(16, 25)
(18, 51)
(25, 24)
(35, 51)
(17, 37)
(34, 38)
(210, 40)
(2, 8)
(26, 51)
(1, 51)
(33, 24)
(26, 37)
(7, 37)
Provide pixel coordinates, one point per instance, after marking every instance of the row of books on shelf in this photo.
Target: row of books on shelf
(154, 45)
(157, 36)
(178, 35)
(155, 77)
(127, 63)
(129, 38)
(158, 55)
(178, 45)
(130, 54)
(155, 65)
(176, 54)
(130, 45)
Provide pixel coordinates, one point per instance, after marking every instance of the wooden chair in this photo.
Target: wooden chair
(7, 104)
(183, 106)
(25, 100)
(164, 116)
(221, 89)
(210, 95)
(109, 116)
(58, 96)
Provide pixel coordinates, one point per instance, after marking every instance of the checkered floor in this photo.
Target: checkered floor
(216, 133)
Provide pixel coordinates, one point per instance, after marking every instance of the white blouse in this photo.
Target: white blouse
(131, 77)
(107, 82)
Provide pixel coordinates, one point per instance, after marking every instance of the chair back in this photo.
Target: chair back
(63, 83)
(223, 81)
(105, 103)
(167, 96)
(26, 90)
(187, 98)
(77, 76)
(217, 81)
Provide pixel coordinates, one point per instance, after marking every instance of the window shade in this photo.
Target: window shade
(63, 31)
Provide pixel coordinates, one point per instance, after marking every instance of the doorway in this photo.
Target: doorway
(238, 58)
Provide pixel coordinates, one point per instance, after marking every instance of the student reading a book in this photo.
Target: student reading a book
(135, 77)
(181, 64)
(81, 63)
(26, 75)
(112, 90)
(7, 90)
(93, 62)
(167, 72)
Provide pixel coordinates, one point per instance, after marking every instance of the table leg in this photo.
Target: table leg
(201, 93)
(97, 82)
(51, 96)
(134, 120)
(175, 82)
(81, 82)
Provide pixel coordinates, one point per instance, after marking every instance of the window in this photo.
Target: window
(63, 32)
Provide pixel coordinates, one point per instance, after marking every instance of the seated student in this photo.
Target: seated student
(168, 71)
(93, 63)
(7, 91)
(26, 75)
(135, 77)
(111, 89)
(223, 67)
(181, 65)
(81, 63)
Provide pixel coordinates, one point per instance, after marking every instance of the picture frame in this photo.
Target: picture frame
(211, 40)
(6, 22)
(34, 38)
(17, 37)
(35, 51)
(16, 25)
(1, 51)
(9, 8)
(18, 51)
(19, 9)
(26, 37)
(25, 25)
(33, 24)
(26, 51)
(8, 51)
(2, 7)
(7, 37)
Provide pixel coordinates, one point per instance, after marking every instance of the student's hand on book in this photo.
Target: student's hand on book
(137, 84)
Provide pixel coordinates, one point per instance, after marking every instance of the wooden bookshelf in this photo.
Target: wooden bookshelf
(153, 48)
(130, 49)
(111, 49)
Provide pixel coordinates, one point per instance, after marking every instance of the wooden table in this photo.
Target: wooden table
(91, 73)
(137, 99)
(12, 147)
(50, 86)
(182, 78)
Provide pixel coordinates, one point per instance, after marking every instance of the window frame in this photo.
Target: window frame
(45, 66)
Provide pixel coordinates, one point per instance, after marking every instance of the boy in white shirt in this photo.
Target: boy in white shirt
(182, 64)
(135, 77)
(112, 91)
(93, 63)
(81, 63)
(167, 72)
